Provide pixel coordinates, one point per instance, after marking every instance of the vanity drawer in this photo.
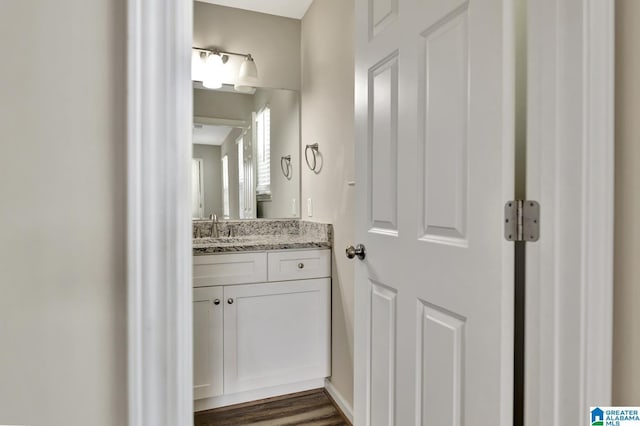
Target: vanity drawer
(223, 269)
(299, 264)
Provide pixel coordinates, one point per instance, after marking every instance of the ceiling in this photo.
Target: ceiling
(289, 8)
(205, 134)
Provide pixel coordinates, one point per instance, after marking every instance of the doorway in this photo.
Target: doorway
(159, 242)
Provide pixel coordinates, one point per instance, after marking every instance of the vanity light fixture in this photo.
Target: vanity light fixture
(209, 69)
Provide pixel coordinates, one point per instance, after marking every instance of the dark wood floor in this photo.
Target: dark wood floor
(311, 408)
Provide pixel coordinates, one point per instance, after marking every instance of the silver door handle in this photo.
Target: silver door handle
(230, 301)
(357, 251)
(216, 302)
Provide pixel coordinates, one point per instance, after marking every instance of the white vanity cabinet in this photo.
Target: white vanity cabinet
(270, 330)
(207, 335)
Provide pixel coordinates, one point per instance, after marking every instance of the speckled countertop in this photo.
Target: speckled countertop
(260, 235)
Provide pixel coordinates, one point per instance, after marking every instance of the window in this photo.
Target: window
(225, 186)
(263, 138)
(197, 190)
(241, 199)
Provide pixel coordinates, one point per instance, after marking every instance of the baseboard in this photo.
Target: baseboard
(253, 395)
(337, 397)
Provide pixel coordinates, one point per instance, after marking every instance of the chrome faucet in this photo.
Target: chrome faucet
(214, 226)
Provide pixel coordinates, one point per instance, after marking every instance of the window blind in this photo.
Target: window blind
(225, 186)
(263, 135)
(241, 197)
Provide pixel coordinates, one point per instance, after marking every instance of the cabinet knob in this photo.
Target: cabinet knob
(216, 302)
(300, 265)
(230, 301)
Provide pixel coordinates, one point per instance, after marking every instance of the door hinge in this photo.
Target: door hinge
(522, 220)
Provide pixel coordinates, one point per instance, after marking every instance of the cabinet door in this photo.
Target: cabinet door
(207, 342)
(276, 333)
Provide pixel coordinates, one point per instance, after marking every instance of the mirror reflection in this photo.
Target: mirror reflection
(246, 154)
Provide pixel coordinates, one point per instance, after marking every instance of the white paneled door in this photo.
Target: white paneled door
(435, 165)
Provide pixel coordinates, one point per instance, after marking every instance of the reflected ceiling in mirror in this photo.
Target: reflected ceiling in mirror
(210, 134)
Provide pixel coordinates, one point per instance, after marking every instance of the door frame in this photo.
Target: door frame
(159, 241)
(570, 171)
(159, 112)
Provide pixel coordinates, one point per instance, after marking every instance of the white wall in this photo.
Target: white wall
(273, 41)
(327, 118)
(62, 212)
(626, 350)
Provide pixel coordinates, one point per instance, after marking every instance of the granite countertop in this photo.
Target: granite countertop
(203, 246)
(267, 235)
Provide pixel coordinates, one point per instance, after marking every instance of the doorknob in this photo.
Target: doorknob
(357, 251)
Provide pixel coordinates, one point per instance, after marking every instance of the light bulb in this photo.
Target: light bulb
(197, 66)
(213, 72)
(248, 76)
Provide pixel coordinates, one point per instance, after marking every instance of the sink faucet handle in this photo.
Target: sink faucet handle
(214, 225)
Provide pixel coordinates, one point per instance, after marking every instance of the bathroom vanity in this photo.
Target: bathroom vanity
(261, 311)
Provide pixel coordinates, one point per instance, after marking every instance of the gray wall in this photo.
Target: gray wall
(273, 41)
(212, 165)
(626, 350)
(62, 213)
(215, 104)
(327, 118)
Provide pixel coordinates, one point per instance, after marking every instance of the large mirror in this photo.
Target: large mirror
(246, 154)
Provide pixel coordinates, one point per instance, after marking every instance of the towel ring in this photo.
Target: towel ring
(314, 152)
(285, 166)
